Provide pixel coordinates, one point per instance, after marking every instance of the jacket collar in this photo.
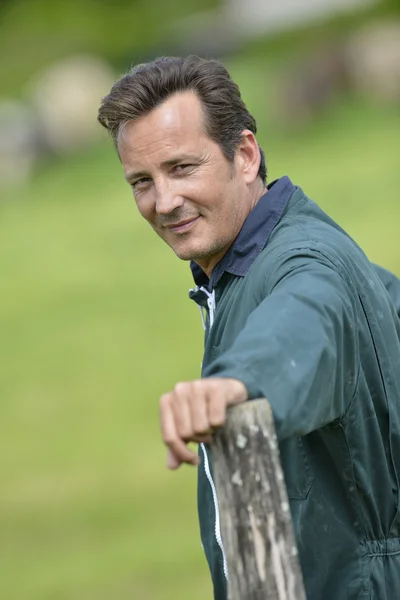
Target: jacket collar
(253, 236)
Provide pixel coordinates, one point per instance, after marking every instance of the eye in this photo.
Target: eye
(183, 167)
(140, 183)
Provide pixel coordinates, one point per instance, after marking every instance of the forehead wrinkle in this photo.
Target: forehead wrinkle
(159, 155)
(175, 116)
(169, 131)
(135, 143)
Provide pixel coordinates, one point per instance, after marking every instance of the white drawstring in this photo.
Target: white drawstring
(202, 317)
(210, 303)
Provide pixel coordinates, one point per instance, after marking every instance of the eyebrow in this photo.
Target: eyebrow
(172, 162)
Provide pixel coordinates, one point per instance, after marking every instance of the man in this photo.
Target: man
(295, 313)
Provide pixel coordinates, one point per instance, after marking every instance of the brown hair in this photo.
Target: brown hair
(148, 85)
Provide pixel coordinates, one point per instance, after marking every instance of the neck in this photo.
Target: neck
(212, 263)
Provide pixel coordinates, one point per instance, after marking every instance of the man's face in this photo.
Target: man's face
(191, 195)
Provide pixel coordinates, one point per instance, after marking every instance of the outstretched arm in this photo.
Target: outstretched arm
(298, 348)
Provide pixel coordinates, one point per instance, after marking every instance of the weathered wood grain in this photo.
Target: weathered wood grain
(256, 524)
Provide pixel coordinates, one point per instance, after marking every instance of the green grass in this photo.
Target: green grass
(95, 324)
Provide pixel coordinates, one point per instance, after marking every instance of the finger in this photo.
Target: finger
(172, 461)
(181, 453)
(216, 407)
(170, 436)
(198, 405)
(181, 408)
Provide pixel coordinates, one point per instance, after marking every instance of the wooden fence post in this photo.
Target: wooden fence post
(256, 524)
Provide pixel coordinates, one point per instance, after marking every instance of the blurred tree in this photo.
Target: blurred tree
(394, 4)
(33, 34)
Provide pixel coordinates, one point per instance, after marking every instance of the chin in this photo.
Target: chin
(185, 255)
(190, 253)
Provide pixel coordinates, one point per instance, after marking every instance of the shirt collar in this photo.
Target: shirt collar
(253, 236)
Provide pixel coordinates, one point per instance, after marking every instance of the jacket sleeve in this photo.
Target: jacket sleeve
(299, 347)
(392, 285)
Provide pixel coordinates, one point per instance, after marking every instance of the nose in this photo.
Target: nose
(167, 199)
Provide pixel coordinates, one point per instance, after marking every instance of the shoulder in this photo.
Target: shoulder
(307, 236)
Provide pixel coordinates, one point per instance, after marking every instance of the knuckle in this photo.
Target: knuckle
(218, 421)
(211, 381)
(217, 414)
(201, 429)
(198, 385)
(185, 432)
(181, 387)
(217, 384)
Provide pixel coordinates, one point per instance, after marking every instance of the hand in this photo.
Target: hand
(192, 411)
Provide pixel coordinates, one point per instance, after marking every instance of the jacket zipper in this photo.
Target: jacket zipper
(211, 311)
(216, 507)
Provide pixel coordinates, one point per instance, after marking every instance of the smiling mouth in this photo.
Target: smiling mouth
(183, 226)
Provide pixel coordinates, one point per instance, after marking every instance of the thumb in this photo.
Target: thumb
(172, 461)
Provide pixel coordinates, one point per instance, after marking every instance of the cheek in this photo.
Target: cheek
(206, 199)
(145, 206)
(221, 206)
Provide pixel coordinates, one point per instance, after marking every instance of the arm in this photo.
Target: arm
(299, 347)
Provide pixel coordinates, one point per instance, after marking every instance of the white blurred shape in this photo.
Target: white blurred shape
(260, 16)
(66, 97)
(373, 59)
(236, 21)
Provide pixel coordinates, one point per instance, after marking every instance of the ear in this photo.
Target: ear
(248, 157)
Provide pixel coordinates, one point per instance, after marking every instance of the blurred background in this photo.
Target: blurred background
(95, 323)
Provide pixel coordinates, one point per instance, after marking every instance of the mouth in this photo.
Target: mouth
(183, 226)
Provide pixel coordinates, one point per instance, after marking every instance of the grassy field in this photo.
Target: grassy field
(96, 324)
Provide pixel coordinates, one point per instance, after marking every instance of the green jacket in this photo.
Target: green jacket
(309, 323)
